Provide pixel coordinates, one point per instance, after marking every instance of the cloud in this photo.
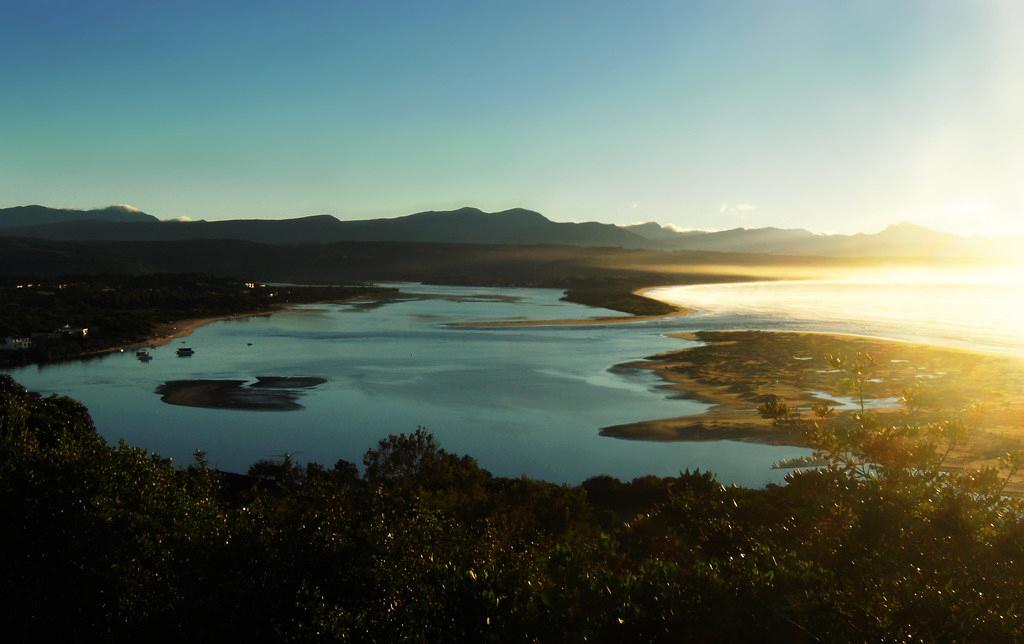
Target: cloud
(677, 229)
(672, 227)
(182, 218)
(736, 207)
(128, 207)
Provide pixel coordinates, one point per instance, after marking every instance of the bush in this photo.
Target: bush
(114, 543)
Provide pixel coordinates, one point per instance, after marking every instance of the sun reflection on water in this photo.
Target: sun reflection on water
(972, 307)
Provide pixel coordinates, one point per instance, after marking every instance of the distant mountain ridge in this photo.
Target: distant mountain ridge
(467, 225)
(901, 240)
(655, 231)
(36, 215)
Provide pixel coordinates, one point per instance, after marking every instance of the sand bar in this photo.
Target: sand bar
(268, 393)
(611, 319)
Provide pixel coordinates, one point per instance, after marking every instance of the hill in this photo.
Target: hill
(464, 226)
(515, 227)
(30, 216)
(902, 240)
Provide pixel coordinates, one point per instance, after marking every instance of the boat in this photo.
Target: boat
(185, 352)
(143, 356)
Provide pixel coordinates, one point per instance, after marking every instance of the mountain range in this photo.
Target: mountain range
(31, 216)
(517, 226)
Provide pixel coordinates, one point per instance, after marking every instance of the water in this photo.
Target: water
(972, 314)
(527, 400)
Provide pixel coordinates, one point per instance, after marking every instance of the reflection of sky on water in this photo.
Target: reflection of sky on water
(520, 400)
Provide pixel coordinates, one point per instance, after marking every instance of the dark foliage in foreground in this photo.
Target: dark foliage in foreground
(117, 544)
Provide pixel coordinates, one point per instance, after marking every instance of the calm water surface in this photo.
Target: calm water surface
(972, 314)
(526, 400)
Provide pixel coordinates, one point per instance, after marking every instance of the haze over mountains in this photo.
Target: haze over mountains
(472, 226)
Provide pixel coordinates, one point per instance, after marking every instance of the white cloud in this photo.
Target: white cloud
(677, 229)
(128, 207)
(672, 227)
(736, 207)
(182, 218)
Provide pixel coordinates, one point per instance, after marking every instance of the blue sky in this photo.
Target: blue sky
(834, 116)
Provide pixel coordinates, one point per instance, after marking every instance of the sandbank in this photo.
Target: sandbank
(268, 393)
(737, 371)
(611, 319)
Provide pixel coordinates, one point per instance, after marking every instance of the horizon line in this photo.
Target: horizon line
(676, 228)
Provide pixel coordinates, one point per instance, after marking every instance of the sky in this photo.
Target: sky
(832, 116)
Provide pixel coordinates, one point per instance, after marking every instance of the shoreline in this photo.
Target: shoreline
(131, 312)
(168, 332)
(922, 344)
(735, 372)
(614, 319)
(610, 319)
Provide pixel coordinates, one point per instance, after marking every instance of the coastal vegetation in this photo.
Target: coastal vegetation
(119, 310)
(605, 277)
(880, 543)
(616, 272)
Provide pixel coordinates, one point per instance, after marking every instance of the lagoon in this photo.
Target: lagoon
(522, 400)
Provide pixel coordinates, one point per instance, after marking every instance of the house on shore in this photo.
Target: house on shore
(15, 344)
(72, 331)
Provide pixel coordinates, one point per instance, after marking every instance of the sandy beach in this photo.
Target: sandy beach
(170, 331)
